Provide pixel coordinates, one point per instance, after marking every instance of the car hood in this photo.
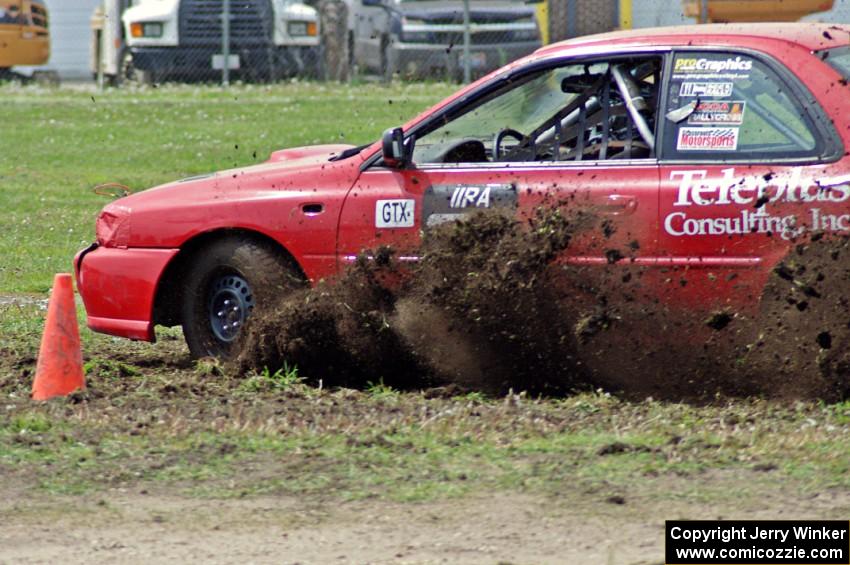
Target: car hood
(309, 153)
(452, 12)
(297, 169)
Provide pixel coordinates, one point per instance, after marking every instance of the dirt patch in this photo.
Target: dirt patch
(574, 526)
(487, 309)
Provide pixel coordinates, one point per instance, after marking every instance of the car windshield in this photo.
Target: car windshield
(521, 108)
(571, 112)
(839, 59)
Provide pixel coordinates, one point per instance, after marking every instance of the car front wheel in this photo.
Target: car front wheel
(226, 283)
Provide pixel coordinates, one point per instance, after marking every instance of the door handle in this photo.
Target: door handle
(620, 204)
(313, 209)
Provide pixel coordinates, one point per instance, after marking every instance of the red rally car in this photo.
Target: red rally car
(707, 149)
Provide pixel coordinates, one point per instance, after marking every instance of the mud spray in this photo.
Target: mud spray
(490, 307)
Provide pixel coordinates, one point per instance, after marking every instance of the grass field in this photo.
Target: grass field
(59, 144)
(154, 422)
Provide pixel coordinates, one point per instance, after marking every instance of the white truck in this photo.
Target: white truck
(157, 40)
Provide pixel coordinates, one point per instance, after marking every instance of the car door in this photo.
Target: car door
(744, 174)
(557, 135)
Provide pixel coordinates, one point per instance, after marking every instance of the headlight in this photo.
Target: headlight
(113, 226)
(302, 29)
(146, 29)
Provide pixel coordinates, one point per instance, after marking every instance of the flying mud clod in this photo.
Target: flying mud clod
(491, 306)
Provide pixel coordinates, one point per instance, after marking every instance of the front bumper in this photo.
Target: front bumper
(118, 287)
(418, 59)
(196, 62)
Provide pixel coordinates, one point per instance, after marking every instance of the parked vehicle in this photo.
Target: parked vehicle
(425, 38)
(182, 39)
(710, 151)
(24, 34)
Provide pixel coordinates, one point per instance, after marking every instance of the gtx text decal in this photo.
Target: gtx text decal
(395, 213)
(751, 198)
(447, 202)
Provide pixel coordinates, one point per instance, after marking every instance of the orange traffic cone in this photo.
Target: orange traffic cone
(59, 371)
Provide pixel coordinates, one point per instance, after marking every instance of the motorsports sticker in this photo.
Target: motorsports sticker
(748, 201)
(706, 89)
(707, 139)
(718, 113)
(757, 542)
(448, 202)
(704, 68)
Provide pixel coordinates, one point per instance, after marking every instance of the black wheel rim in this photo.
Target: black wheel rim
(230, 304)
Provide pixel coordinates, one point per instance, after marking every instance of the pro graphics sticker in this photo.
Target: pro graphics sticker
(707, 139)
(704, 68)
(719, 113)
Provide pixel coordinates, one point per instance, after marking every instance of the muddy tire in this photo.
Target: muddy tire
(227, 282)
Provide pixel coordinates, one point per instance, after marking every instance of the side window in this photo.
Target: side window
(599, 110)
(728, 106)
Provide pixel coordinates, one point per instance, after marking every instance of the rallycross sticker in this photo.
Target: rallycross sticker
(719, 113)
(706, 89)
(448, 202)
(707, 139)
(395, 213)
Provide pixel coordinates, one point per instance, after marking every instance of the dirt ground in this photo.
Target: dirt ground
(461, 419)
(126, 527)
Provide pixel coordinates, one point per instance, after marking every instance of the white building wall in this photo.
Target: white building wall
(69, 23)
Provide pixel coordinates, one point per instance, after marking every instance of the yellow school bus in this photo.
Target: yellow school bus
(756, 10)
(24, 33)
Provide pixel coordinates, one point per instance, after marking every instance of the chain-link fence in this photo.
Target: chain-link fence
(334, 39)
(266, 40)
(151, 41)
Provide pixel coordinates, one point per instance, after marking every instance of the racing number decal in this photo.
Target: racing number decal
(395, 213)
